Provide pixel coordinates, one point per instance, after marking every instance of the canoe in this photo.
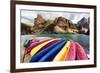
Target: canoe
(61, 56)
(35, 41)
(39, 55)
(34, 45)
(72, 52)
(37, 48)
(49, 44)
(52, 53)
(26, 43)
(80, 52)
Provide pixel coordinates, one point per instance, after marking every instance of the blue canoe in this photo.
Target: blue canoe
(52, 53)
(42, 53)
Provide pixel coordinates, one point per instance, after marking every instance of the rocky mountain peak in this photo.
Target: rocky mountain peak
(39, 20)
(83, 23)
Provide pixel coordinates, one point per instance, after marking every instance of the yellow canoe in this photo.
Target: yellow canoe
(37, 48)
(61, 56)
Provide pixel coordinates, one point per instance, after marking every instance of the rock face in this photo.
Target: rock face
(58, 29)
(83, 25)
(64, 25)
(39, 20)
(60, 25)
(38, 23)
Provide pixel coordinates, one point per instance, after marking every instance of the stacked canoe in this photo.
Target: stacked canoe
(53, 49)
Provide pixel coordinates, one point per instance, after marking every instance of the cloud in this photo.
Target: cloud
(31, 14)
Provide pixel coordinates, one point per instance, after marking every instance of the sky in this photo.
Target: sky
(27, 16)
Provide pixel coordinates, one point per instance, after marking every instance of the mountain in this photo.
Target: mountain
(89, 20)
(83, 25)
(56, 26)
(64, 25)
